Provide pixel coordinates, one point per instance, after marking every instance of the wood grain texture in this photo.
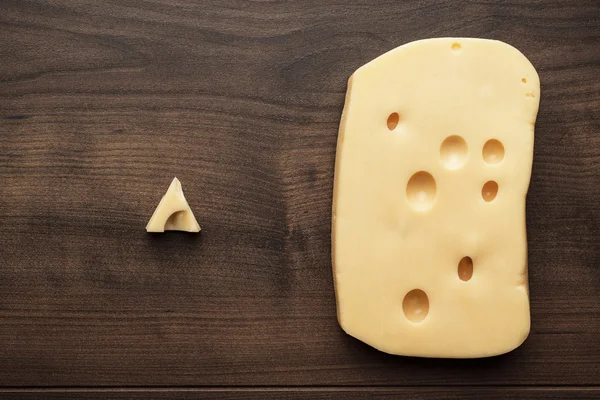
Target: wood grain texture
(407, 393)
(103, 103)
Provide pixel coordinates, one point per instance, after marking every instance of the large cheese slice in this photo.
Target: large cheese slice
(433, 164)
(173, 213)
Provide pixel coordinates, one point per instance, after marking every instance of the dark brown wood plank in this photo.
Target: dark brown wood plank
(443, 393)
(102, 103)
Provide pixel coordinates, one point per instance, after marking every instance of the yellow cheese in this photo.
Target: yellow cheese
(173, 212)
(433, 165)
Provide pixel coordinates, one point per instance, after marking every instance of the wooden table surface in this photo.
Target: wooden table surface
(102, 103)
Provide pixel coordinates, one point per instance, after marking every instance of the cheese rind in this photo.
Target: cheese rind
(173, 213)
(433, 166)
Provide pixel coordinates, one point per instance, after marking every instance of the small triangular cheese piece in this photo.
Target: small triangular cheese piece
(173, 212)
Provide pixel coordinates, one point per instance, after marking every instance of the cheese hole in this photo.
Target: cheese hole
(174, 220)
(454, 152)
(465, 269)
(392, 121)
(456, 47)
(415, 305)
(493, 151)
(489, 191)
(524, 80)
(420, 191)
